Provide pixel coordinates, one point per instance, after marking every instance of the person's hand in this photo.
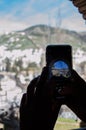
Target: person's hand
(75, 93)
(75, 87)
(39, 109)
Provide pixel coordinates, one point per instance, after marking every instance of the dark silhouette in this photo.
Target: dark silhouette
(39, 107)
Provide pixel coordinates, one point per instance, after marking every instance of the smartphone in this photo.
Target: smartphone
(59, 63)
(59, 60)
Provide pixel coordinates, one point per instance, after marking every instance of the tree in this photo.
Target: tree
(8, 64)
(17, 65)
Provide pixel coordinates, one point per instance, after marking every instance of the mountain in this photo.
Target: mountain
(83, 35)
(39, 36)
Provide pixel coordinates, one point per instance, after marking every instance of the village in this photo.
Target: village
(18, 68)
(28, 64)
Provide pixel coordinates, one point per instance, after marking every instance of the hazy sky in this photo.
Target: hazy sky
(21, 14)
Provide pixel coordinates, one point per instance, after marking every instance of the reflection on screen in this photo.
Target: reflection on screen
(60, 68)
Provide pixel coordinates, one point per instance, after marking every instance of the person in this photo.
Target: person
(40, 107)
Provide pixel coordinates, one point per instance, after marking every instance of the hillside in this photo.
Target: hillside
(40, 35)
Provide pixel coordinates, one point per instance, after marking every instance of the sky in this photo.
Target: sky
(17, 15)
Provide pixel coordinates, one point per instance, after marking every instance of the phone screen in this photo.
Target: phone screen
(59, 60)
(60, 69)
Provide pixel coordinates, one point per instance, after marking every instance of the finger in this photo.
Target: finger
(36, 86)
(23, 100)
(41, 86)
(22, 107)
(67, 90)
(76, 78)
(23, 113)
(31, 89)
(52, 83)
(43, 77)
